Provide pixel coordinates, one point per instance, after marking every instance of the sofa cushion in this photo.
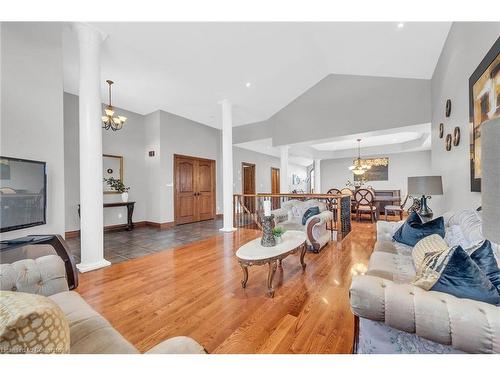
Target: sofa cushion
(32, 324)
(432, 243)
(454, 272)
(413, 230)
(90, 333)
(483, 256)
(310, 212)
(45, 275)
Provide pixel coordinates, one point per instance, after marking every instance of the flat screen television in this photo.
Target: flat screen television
(23, 193)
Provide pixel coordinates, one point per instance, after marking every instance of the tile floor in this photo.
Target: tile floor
(122, 245)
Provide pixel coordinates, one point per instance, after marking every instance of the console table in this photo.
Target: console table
(130, 211)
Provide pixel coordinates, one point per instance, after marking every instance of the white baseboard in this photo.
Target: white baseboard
(92, 266)
(227, 229)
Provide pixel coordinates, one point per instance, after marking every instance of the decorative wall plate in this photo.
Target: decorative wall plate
(456, 136)
(448, 142)
(441, 130)
(448, 107)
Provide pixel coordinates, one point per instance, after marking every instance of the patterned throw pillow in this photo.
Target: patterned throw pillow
(433, 243)
(310, 212)
(32, 324)
(454, 272)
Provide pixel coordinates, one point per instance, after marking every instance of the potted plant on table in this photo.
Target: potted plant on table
(119, 186)
(278, 233)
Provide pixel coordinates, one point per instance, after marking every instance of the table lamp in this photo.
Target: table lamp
(425, 186)
(490, 179)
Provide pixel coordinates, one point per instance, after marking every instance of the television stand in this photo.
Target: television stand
(59, 245)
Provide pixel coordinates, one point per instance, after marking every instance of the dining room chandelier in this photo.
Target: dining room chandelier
(359, 166)
(110, 120)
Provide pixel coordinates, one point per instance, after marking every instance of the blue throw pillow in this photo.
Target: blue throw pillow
(462, 277)
(413, 229)
(311, 211)
(483, 256)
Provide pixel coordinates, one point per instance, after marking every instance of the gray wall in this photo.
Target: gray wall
(179, 135)
(335, 172)
(252, 132)
(263, 164)
(128, 142)
(347, 104)
(31, 123)
(465, 47)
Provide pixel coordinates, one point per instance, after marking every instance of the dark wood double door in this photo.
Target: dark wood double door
(194, 189)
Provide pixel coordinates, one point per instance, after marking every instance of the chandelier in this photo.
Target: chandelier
(359, 166)
(109, 120)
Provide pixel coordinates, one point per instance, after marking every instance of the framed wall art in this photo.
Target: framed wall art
(484, 105)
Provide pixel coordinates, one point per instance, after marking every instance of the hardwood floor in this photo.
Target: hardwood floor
(195, 291)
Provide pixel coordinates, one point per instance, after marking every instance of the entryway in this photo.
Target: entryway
(275, 187)
(248, 184)
(194, 189)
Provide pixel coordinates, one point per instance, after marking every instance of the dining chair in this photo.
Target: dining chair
(364, 204)
(396, 209)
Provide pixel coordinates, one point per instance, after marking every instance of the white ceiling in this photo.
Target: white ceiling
(382, 142)
(186, 68)
(371, 141)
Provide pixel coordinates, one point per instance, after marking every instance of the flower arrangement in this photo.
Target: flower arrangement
(117, 185)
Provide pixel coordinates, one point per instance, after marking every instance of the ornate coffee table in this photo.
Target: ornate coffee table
(253, 253)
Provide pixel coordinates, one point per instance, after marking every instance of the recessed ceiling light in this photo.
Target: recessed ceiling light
(248, 84)
(401, 25)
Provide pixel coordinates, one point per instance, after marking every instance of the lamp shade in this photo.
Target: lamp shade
(490, 179)
(425, 185)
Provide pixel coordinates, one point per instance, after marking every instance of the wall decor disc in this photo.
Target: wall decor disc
(441, 130)
(448, 107)
(456, 136)
(448, 142)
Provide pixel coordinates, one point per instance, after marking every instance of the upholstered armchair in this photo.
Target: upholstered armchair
(290, 215)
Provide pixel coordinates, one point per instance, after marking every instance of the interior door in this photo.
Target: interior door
(185, 190)
(194, 193)
(275, 187)
(205, 189)
(249, 185)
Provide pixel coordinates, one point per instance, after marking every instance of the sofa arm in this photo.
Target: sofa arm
(178, 345)
(45, 275)
(466, 325)
(317, 234)
(280, 215)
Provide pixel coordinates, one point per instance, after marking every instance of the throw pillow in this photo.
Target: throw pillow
(413, 229)
(310, 212)
(454, 272)
(31, 324)
(486, 261)
(432, 243)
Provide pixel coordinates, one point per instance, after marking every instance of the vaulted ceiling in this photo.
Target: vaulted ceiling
(186, 68)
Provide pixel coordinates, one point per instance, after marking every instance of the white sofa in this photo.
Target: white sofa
(90, 333)
(289, 217)
(397, 317)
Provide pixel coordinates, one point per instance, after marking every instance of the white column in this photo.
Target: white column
(284, 179)
(227, 165)
(91, 212)
(317, 176)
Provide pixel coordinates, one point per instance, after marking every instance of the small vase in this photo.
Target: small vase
(278, 239)
(125, 197)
